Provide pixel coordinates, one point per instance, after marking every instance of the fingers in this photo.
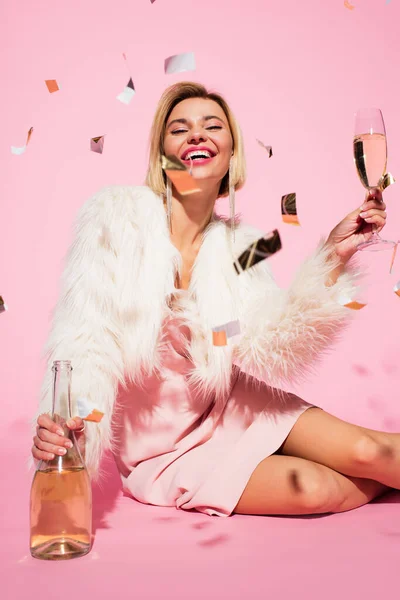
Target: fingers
(49, 447)
(52, 438)
(76, 424)
(46, 422)
(374, 217)
(370, 204)
(41, 455)
(49, 439)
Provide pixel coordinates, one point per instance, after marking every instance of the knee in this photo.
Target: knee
(367, 451)
(317, 492)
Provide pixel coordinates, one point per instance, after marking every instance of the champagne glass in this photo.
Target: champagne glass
(370, 157)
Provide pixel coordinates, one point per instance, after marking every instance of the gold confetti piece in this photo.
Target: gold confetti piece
(354, 305)
(22, 149)
(348, 5)
(97, 144)
(94, 417)
(259, 250)
(289, 210)
(184, 183)
(387, 179)
(29, 135)
(396, 288)
(52, 85)
(3, 306)
(220, 338)
(129, 91)
(267, 148)
(393, 257)
(180, 62)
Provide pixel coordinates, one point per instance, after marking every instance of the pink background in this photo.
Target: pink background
(294, 74)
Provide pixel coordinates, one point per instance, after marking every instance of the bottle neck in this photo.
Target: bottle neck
(61, 410)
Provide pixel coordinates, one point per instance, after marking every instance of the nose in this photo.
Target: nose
(196, 136)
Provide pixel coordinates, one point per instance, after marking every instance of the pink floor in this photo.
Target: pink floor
(148, 552)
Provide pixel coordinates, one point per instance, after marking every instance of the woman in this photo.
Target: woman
(191, 424)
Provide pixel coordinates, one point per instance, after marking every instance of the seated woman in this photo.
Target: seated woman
(191, 424)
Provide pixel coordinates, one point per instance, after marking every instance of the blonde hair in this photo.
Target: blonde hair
(155, 177)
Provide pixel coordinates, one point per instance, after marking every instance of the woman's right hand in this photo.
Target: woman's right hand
(49, 440)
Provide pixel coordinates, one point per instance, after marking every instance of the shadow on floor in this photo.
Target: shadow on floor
(105, 492)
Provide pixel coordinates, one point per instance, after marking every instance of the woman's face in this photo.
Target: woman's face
(198, 128)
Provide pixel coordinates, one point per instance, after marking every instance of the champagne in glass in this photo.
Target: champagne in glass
(370, 157)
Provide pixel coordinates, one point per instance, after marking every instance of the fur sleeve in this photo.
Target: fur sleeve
(284, 332)
(82, 330)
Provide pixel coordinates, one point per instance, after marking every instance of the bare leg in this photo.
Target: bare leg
(284, 485)
(349, 449)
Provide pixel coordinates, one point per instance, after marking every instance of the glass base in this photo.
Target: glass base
(376, 244)
(60, 549)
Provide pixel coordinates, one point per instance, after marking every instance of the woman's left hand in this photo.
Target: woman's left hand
(358, 226)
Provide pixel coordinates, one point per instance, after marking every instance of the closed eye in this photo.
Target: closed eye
(176, 131)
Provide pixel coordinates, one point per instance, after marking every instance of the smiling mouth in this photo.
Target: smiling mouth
(197, 155)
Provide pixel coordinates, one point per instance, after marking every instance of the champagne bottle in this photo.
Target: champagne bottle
(61, 495)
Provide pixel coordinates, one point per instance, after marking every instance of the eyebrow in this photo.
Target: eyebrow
(185, 121)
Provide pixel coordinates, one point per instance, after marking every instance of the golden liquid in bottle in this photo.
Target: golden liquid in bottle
(61, 505)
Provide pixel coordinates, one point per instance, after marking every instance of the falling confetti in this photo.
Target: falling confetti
(259, 250)
(87, 410)
(267, 148)
(348, 5)
(22, 149)
(179, 175)
(393, 257)
(223, 332)
(3, 306)
(396, 288)
(289, 210)
(349, 302)
(220, 338)
(354, 305)
(180, 62)
(52, 85)
(97, 144)
(387, 179)
(126, 96)
(95, 416)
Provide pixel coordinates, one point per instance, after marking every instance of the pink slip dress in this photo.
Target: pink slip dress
(174, 449)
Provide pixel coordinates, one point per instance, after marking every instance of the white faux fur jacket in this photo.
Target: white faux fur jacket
(119, 276)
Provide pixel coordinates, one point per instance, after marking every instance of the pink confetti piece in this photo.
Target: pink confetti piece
(393, 257)
(267, 148)
(97, 144)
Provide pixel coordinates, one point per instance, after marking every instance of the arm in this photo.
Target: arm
(284, 332)
(83, 328)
